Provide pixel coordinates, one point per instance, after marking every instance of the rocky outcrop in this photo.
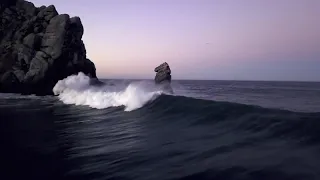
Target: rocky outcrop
(38, 47)
(163, 77)
(163, 73)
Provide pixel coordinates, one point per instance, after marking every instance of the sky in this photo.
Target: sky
(200, 39)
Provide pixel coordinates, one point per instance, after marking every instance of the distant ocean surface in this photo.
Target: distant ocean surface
(130, 129)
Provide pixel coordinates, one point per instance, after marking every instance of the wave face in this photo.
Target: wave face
(163, 137)
(270, 123)
(76, 89)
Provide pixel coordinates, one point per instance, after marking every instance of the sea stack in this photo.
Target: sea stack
(39, 47)
(163, 73)
(163, 77)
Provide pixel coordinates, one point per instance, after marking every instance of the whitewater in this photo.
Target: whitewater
(206, 130)
(77, 90)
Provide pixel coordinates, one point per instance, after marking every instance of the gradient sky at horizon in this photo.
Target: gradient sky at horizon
(201, 39)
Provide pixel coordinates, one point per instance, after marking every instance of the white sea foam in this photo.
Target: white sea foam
(76, 89)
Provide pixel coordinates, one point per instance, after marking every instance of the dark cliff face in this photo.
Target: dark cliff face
(38, 47)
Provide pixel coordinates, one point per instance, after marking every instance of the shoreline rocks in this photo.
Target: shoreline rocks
(39, 47)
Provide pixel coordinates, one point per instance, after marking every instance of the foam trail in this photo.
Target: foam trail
(76, 89)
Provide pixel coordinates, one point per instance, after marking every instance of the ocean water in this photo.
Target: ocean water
(131, 129)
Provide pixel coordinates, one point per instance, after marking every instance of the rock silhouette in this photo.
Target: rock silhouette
(163, 77)
(163, 73)
(38, 47)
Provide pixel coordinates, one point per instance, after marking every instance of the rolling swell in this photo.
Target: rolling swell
(269, 123)
(169, 137)
(188, 138)
(191, 138)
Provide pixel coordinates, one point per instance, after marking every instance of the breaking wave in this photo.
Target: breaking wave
(76, 89)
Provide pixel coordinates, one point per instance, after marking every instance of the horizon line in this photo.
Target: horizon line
(243, 80)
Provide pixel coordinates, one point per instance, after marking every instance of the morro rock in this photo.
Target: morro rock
(38, 47)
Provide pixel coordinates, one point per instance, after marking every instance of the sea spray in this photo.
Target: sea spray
(76, 89)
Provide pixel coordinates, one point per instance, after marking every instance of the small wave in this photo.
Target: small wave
(76, 89)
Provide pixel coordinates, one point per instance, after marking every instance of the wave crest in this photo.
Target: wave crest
(76, 89)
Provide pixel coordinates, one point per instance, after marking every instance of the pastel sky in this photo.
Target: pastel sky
(201, 39)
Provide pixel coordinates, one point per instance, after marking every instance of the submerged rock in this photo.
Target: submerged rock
(38, 47)
(163, 77)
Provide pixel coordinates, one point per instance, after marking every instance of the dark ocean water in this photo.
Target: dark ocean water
(207, 130)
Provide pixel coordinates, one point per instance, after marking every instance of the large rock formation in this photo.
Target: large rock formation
(38, 47)
(163, 73)
(163, 77)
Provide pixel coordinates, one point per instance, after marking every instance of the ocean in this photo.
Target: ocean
(132, 130)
